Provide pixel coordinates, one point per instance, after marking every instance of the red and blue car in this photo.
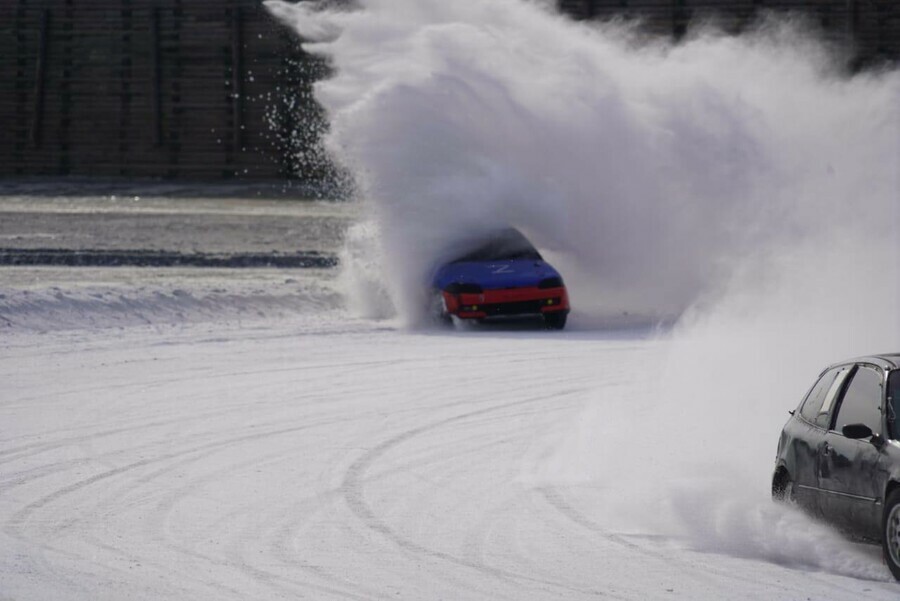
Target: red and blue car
(500, 278)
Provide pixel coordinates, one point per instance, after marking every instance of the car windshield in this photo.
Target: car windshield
(506, 245)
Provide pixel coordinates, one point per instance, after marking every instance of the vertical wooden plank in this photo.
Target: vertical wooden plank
(237, 78)
(21, 113)
(852, 20)
(679, 19)
(66, 139)
(882, 13)
(590, 9)
(285, 118)
(177, 136)
(37, 122)
(156, 57)
(126, 71)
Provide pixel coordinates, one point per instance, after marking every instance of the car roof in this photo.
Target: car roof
(887, 361)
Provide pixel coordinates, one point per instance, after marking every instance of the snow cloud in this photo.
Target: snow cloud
(745, 188)
(647, 172)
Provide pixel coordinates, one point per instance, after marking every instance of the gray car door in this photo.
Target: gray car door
(850, 481)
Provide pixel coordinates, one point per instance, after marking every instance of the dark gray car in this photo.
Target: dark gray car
(839, 453)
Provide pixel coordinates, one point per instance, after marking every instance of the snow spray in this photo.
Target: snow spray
(745, 187)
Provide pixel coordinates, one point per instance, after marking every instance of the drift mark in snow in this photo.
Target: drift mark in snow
(329, 460)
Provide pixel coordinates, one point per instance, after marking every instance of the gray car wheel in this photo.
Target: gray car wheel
(555, 321)
(437, 309)
(891, 533)
(782, 487)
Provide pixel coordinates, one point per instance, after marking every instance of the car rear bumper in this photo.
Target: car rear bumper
(507, 302)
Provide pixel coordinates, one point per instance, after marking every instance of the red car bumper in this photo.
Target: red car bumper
(510, 301)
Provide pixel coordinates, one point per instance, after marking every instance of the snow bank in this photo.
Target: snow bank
(159, 260)
(52, 299)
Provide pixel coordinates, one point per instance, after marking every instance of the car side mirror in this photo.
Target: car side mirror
(856, 431)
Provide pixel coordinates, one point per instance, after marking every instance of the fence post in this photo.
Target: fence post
(852, 19)
(156, 57)
(40, 79)
(679, 19)
(237, 79)
(126, 69)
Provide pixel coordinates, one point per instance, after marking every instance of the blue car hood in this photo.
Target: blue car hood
(495, 274)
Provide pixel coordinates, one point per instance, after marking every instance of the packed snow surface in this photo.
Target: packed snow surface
(255, 434)
(241, 434)
(325, 457)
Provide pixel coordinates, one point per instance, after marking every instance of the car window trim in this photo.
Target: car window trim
(835, 391)
(806, 397)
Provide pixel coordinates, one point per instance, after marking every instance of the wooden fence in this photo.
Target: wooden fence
(212, 89)
(200, 89)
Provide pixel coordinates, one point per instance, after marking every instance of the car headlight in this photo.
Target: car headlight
(554, 282)
(460, 288)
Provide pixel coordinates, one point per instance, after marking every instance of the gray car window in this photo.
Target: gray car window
(862, 401)
(823, 419)
(816, 396)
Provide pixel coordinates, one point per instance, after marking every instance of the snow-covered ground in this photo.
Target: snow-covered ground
(145, 220)
(323, 457)
(258, 450)
(51, 298)
(187, 433)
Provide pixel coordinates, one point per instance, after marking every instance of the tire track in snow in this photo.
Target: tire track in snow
(28, 450)
(270, 578)
(353, 486)
(19, 518)
(16, 525)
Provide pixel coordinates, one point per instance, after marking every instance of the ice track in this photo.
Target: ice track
(323, 458)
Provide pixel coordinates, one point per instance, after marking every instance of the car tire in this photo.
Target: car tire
(438, 311)
(782, 487)
(555, 321)
(890, 532)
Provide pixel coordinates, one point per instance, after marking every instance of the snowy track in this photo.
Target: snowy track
(327, 459)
